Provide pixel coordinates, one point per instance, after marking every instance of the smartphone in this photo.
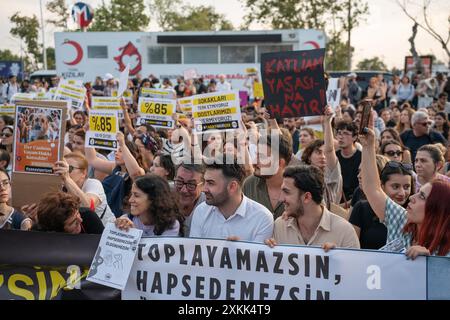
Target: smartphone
(367, 109)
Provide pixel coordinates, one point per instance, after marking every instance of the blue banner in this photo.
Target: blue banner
(9, 67)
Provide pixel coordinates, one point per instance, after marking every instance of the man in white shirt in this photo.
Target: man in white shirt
(9, 89)
(227, 213)
(223, 85)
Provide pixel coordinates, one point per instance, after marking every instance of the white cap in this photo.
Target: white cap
(352, 75)
(108, 76)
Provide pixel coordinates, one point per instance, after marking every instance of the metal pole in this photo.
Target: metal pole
(43, 37)
(349, 47)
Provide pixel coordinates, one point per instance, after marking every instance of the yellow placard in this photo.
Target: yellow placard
(149, 107)
(251, 71)
(102, 124)
(258, 90)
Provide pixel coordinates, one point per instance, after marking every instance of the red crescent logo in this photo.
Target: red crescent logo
(79, 50)
(313, 43)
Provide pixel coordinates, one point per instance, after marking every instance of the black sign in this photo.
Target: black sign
(294, 83)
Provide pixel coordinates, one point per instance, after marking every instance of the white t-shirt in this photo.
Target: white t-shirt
(94, 186)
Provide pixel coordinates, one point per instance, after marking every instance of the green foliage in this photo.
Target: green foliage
(374, 63)
(51, 62)
(120, 15)
(8, 55)
(27, 29)
(336, 54)
(61, 13)
(191, 18)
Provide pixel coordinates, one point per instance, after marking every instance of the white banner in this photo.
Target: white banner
(180, 268)
(218, 111)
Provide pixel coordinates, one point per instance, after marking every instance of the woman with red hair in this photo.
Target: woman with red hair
(424, 227)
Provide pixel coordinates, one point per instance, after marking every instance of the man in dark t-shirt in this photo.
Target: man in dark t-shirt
(349, 157)
(420, 134)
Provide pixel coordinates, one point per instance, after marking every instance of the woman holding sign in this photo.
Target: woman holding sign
(154, 208)
(121, 172)
(424, 227)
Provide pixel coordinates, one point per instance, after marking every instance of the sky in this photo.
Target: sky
(383, 34)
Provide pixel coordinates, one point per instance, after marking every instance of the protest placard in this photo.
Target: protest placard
(333, 93)
(218, 111)
(258, 91)
(294, 84)
(114, 256)
(243, 98)
(212, 269)
(158, 93)
(107, 103)
(103, 127)
(190, 74)
(72, 91)
(251, 71)
(127, 95)
(185, 105)
(38, 144)
(157, 112)
(21, 96)
(8, 109)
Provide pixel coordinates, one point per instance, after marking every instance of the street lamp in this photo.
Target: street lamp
(43, 36)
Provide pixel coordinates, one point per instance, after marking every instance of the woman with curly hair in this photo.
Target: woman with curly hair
(153, 208)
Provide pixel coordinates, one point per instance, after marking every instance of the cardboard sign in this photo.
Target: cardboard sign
(218, 111)
(114, 257)
(23, 96)
(34, 154)
(333, 93)
(157, 112)
(38, 132)
(103, 127)
(8, 109)
(258, 91)
(158, 93)
(107, 103)
(70, 90)
(190, 74)
(294, 84)
(185, 105)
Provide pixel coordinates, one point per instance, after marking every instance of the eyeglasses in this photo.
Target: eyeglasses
(395, 164)
(394, 153)
(189, 185)
(72, 167)
(5, 183)
(5, 134)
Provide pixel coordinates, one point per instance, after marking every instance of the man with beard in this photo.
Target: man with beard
(188, 184)
(264, 186)
(226, 212)
(289, 124)
(307, 221)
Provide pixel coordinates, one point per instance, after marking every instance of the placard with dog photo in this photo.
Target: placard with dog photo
(37, 137)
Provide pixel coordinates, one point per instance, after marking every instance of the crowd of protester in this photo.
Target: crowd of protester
(331, 188)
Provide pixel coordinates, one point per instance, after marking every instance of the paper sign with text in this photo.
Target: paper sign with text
(103, 127)
(190, 74)
(185, 104)
(218, 111)
(23, 97)
(158, 93)
(8, 109)
(107, 103)
(127, 95)
(157, 112)
(114, 256)
(72, 91)
(333, 93)
(294, 83)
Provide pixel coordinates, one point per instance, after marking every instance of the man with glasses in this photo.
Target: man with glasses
(349, 157)
(420, 134)
(188, 184)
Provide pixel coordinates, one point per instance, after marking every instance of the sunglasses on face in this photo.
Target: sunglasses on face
(5, 134)
(394, 153)
(72, 167)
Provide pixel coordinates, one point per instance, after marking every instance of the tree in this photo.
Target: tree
(51, 62)
(120, 15)
(425, 24)
(61, 12)
(344, 15)
(372, 64)
(27, 29)
(195, 18)
(336, 54)
(8, 55)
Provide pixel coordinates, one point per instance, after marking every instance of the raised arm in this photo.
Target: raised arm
(369, 173)
(102, 165)
(330, 152)
(133, 168)
(126, 117)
